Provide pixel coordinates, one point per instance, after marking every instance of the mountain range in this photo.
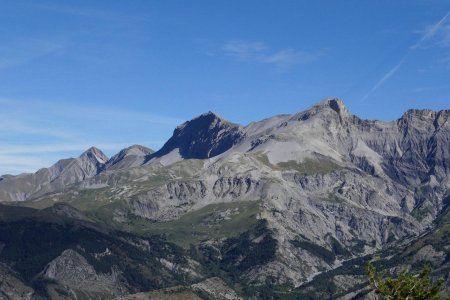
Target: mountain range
(292, 206)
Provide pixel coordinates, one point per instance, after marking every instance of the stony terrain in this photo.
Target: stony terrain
(211, 288)
(290, 204)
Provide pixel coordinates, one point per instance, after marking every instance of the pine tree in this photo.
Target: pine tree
(407, 286)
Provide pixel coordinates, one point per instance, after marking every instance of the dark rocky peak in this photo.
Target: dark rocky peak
(206, 136)
(95, 155)
(206, 120)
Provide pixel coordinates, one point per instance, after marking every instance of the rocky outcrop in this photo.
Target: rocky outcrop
(234, 187)
(11, 287)
(73, 270)
(211, 288)
(186, 190)
(216, 289)
(168, 201)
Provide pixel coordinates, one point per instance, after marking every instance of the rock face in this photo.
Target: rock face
(73, 270)
(12, 287)
(211, 288)
(203, 137)
(216, 288)
(331, 186)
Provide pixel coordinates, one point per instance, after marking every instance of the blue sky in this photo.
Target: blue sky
(115, 73)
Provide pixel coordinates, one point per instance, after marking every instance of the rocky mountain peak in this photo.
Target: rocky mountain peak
(425, 120)
(210, 113)
(335, 104)
(330, 107)
(129, 157)
(136, 150)
(205, 136)
(205, 120)
(424, 114)
(95, 154)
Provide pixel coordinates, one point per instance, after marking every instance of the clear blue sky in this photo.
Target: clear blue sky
(115, 73)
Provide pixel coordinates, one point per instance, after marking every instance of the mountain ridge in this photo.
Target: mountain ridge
(191, 140)
(335, 104)
(321, 187)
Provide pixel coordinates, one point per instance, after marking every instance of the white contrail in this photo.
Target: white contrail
(429, 34)
(384, 78)
(432, 31)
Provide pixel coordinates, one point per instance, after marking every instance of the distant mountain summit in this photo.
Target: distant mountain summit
(63, 173)
(129, 157)
(92, 161)
(332, 105)
(203, 137)
(71, 170)
(94, 155)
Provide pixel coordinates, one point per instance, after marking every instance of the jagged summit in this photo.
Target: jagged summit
(63, 173)
(326, 108)
(202, 137)
(206, 119)
(425, 114)
(96, 154)
(334, 104)
(209, 113)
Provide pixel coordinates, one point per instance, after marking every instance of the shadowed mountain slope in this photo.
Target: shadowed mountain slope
(203, 137)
